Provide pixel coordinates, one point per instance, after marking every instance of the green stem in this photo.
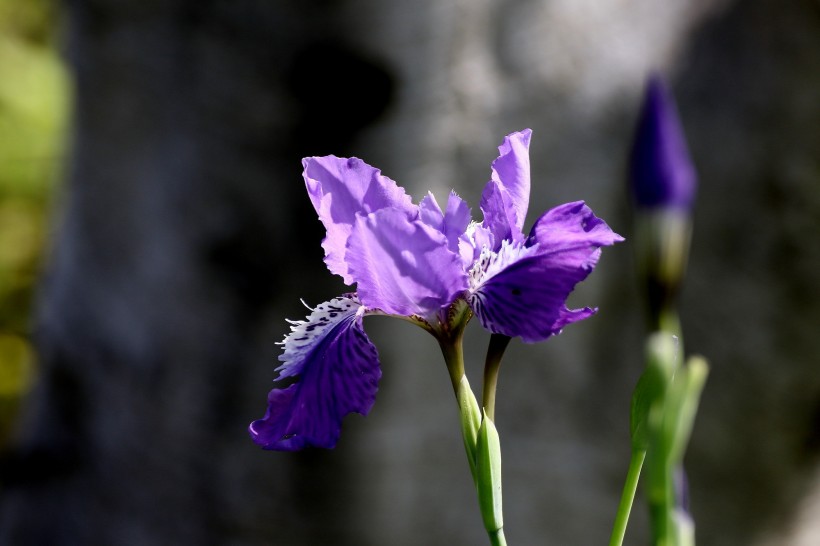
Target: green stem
(627, 497)
(498, 344)
(453, 352)
(497, 538)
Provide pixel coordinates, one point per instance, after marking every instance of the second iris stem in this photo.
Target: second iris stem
(498, 344)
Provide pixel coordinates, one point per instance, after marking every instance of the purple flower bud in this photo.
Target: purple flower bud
(661, 172)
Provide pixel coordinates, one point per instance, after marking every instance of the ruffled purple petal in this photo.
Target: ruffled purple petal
(340, 188)
(521, 290)
(506, 196)
(338, 373)
(571, 226)
(402, 266)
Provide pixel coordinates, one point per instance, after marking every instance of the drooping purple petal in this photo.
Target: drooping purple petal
(523, 293)
(506, 196)
(522, 289)
(340, 188)
(338, 373)
(403, 266)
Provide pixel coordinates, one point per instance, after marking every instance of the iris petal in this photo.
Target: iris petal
(523, 293)
(403, 266)
(338, 373)
(340, 188)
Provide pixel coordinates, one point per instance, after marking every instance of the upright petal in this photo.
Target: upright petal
(511, 170)
(522, 289)
(340, 188)
(506, 196)
(403, 266)
(338, 373)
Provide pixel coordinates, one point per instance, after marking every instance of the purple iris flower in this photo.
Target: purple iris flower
(420, 262)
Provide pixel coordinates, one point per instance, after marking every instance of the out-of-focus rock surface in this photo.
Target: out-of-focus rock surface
(185, 240)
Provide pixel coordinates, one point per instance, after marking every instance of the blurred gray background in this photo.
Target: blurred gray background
(182, 238)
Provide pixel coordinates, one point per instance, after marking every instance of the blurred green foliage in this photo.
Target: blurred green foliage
(34, 101)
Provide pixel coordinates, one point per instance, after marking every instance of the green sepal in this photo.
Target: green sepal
(488, 471)
(470, 414)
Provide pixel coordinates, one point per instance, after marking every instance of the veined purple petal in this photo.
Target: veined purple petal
(338, 373)
(340, 188)
(520, 292)
(506, 196)
(403, 266)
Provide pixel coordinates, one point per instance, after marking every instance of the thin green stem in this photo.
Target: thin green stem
(627, 497)
(497, 538)
(498, 344)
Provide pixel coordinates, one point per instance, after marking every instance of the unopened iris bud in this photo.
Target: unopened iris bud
(661, 172)
(663, 187)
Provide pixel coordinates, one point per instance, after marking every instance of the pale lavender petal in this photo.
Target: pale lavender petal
(522, 292)
(430, 212)
(506, 196)
(340, 188)
(403, 266)
(338, 373)
(456, 219)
